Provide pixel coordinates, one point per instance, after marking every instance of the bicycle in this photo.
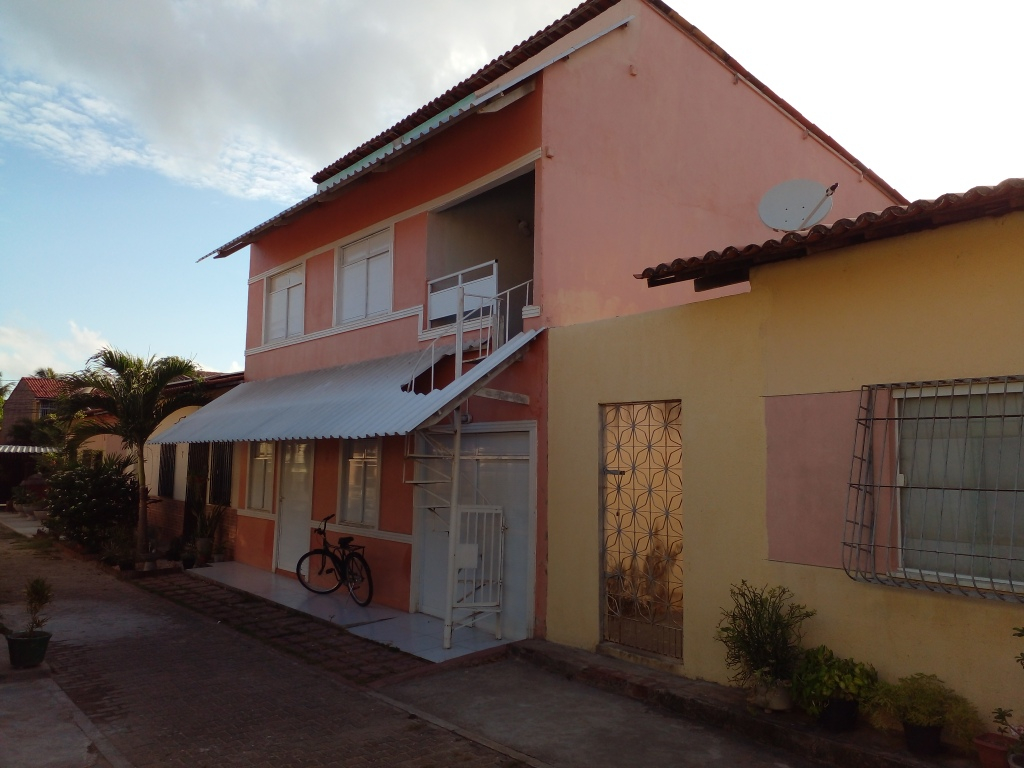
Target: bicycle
(325, 569)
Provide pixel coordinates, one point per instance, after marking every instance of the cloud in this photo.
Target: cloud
(23, 350)
(246, 96)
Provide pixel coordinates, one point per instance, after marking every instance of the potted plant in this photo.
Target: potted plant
(1007, 745)
(207, 527)
(188, 557)
(28, 649)
(119, 548)
(761, 634)
(925, 707)
(831, 688)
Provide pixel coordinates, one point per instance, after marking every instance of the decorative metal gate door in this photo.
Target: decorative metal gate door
(642, 545)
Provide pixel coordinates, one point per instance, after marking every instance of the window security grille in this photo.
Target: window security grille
(165, 484)
(936, 496)
(220, 474)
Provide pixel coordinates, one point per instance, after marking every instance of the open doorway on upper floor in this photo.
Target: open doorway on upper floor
(485, 244)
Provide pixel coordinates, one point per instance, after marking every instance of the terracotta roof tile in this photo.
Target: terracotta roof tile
(576, 18)
(44, 389)
(895, 220)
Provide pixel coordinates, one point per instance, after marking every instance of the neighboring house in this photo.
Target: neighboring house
(851, 428)
(31, 399)
(535, 185)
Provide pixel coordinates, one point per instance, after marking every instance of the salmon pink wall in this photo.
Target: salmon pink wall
(396, 496)
(369, 343)
(254, 541)
(391, 566)
(457, 156)
(319, 306)
(809, 439)
(410, 262)
(656, 154)
(254, 319)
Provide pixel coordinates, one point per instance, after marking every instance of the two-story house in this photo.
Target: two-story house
(396, 316)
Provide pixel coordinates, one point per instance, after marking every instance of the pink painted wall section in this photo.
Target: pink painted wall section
(254, 317)
(254, 541)
(454, 157)
(337, 349)
(809, 444)
(319, 305)
(410, 260)
(665, 163)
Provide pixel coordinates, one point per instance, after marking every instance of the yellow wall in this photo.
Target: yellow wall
(940, 304)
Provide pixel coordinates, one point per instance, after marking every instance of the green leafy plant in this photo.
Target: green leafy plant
(820, 675)
(119, 546)
(1001, 717)
(922, 699)
(208, 522)
(38, 594)
(761, 633)
(87, 502)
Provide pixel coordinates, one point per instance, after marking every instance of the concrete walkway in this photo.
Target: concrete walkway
(179, 671)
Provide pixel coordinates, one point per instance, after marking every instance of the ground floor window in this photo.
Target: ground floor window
(937, 487)
(261, 476)
(360, 482)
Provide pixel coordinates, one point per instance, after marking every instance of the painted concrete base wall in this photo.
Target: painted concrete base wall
(929, 306)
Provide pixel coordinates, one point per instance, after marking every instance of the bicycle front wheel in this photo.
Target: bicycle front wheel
(319, 571)
(358, 579)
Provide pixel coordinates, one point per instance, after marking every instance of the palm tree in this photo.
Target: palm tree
(128, 396)
(45, 373)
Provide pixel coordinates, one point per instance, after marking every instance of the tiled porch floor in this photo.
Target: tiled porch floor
(414, 633)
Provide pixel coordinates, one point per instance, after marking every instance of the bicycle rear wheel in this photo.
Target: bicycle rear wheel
(319, 571)
(358, 579)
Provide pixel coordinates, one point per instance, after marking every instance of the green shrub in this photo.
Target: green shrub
(761, 633)
(924, 700)
(87, 503)
(821, 675)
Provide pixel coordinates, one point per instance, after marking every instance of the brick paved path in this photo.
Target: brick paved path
(170, 687)
(330, 647)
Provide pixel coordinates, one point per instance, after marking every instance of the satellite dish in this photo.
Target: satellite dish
(795, 204)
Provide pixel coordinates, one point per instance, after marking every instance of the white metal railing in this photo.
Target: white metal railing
(479, 282)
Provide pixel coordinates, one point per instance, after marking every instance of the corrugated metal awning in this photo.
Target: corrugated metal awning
(359, 400)
(28, 449)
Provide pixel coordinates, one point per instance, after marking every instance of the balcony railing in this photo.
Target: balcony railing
(488, 319)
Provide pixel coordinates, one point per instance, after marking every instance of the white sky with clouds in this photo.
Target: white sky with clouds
(137, 136)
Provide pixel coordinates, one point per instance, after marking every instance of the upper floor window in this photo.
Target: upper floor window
(360, 482)
(364, 278)
(285, 304)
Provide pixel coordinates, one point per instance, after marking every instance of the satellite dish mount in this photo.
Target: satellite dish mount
(796, 204)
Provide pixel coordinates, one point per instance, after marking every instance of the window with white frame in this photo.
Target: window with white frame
(937, 488)
(285, 305)
(261, 476)
(364, 278)
(360, 482)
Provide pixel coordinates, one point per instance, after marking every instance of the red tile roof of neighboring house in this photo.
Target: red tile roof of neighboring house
(44, 389)
(573, 20)
(952, 208)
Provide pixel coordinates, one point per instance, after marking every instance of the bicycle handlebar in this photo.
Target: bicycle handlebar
(323, 523)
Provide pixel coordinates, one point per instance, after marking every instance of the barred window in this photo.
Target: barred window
(198, 473)
(937, 487)
(220, 474)
(165, 483)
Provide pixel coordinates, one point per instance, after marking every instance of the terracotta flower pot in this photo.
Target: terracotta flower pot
(992, 749)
